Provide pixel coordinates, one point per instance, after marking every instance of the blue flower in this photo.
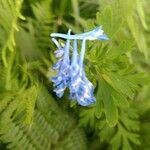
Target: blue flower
(71, 72)
(80, 87)
(61, 80)
(81, 91)
(58, 53)
(60, 50)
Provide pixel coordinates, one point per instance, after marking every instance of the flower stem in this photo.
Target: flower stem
(83, 47)
(75, 53)
(67, 46)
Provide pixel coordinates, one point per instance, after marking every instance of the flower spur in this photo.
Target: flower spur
(96, 34)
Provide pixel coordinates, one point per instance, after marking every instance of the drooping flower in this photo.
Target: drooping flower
(71, 72)
(80, 87)
(61, 80)
(60, 50)
(58, 54)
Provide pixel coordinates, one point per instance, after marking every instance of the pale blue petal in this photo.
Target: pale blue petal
(91, 35)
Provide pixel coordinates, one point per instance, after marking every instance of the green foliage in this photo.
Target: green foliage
(51, 128)
(8, 25)
(112, 70)
(33, 118)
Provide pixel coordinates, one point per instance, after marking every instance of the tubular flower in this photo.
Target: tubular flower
(61, 80)
(71, 72)
(80, 88)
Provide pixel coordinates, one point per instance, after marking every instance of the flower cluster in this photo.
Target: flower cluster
(70, 68)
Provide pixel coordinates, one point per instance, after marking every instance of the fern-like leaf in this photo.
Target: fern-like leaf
(9, 14)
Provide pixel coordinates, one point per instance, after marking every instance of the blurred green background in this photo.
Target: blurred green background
(33, 118)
